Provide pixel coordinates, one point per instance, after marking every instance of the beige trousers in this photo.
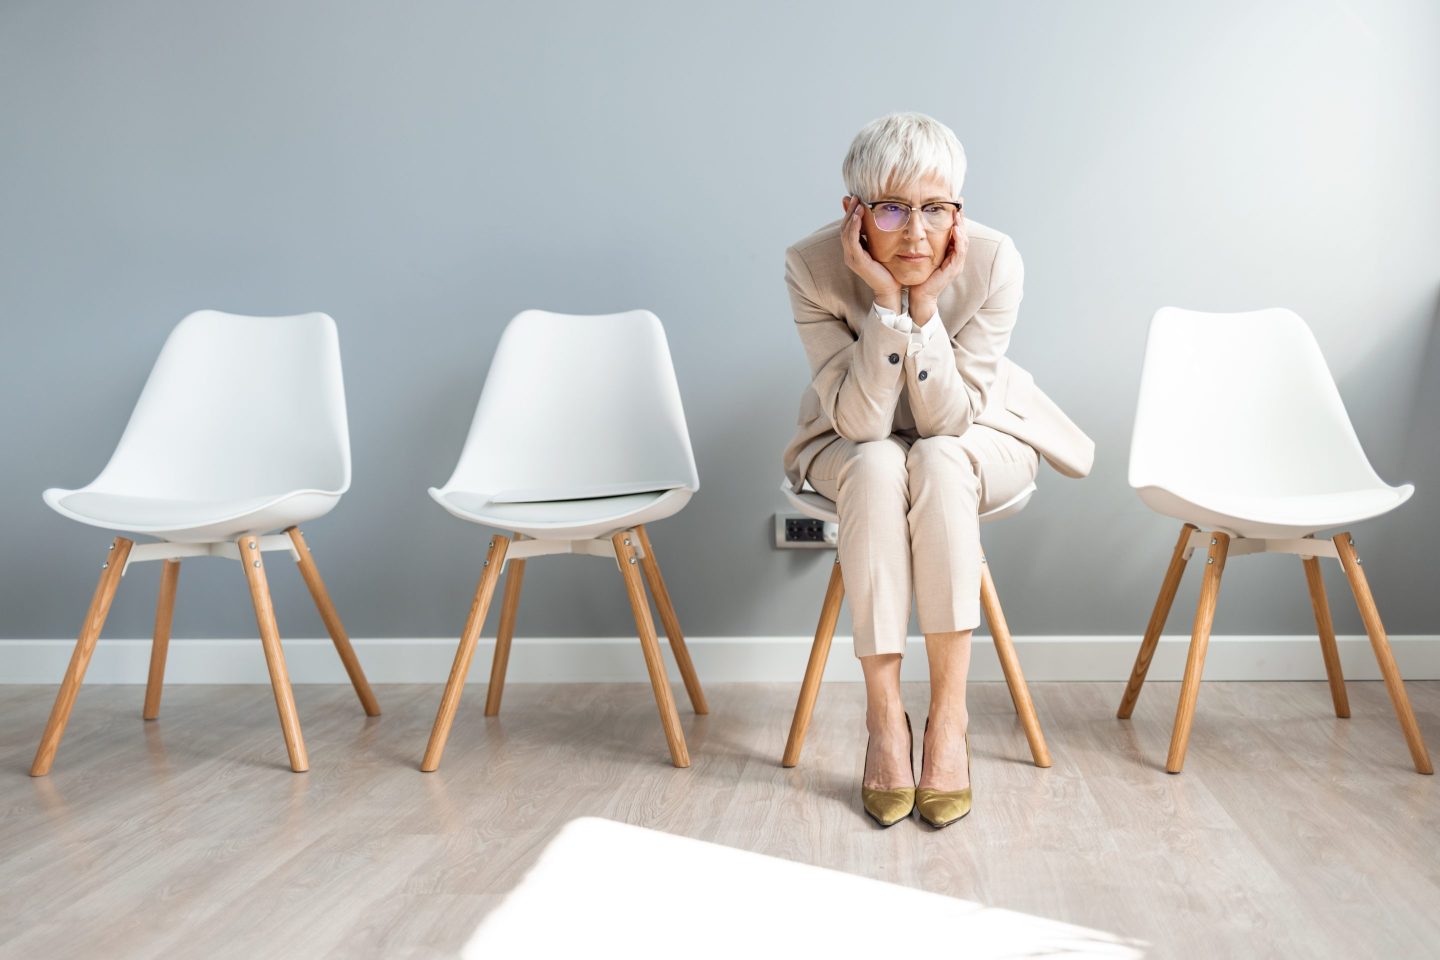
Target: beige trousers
(909, 512)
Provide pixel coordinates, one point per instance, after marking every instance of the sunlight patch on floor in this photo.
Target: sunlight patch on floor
(600, 887)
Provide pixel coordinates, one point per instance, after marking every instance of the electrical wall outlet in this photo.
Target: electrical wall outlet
(798, 530)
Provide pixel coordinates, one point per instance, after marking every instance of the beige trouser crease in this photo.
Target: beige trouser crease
(909, 510)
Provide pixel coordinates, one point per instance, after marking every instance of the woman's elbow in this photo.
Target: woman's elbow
(943, 430)
(946, 419)
(860, 429)
(951, 425)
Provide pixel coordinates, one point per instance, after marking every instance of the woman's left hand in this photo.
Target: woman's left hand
(949, 269)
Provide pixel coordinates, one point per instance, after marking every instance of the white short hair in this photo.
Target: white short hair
(899, 149)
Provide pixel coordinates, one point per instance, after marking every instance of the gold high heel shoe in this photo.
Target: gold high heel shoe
(888, 807)
(940, 808)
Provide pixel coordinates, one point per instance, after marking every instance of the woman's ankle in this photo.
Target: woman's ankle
(884, 718)
(953, 717)
(944, 764)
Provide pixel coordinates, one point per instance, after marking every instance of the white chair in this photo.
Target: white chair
(1240, 430)
(579, 440)
(815, 505)
(239, 431)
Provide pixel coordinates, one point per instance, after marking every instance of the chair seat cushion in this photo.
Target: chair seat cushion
(190, 520)
(578, 518)
(1259, 515)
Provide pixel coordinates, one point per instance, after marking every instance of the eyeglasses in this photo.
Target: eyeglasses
(892, 215)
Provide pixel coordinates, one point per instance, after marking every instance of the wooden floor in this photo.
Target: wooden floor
(1290, 833)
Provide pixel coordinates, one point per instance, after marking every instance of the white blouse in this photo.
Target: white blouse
(919, 334)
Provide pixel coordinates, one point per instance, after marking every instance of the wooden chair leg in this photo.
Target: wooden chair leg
(110, 572)
(509, 605)
(815, 669)
(311, 573)
(254, 567)
(1345, 546)
(1010, 663)
(1326, 629)
(1158, 616)
(650, 645)
(479, 607)
(1199, 642)
(160, 645)
(651, 568)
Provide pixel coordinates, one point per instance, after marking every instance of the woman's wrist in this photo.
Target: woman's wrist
(890, 300)
(922, 309)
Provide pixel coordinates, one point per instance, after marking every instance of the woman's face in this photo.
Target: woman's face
(911, 253)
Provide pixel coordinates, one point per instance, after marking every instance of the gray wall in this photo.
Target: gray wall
(423, 171)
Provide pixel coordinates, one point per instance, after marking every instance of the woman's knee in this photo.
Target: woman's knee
(942, 458)
(875, 464)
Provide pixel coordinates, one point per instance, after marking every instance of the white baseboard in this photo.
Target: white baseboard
(717, 659)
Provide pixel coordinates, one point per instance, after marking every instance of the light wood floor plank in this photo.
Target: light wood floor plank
(1290, 832)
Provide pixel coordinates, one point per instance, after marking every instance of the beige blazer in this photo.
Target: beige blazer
(864, 386)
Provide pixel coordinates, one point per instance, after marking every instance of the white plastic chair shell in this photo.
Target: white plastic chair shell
(1240, 427)
(579, 430)
(240, 428)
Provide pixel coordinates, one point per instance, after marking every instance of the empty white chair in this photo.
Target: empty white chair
(239, 431)
(819, 507)
(579, 440)
(1240, 430)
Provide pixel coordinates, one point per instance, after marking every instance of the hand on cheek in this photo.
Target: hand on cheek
(948, 269)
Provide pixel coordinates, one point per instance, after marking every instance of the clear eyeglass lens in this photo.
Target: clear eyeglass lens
(891, 216)
(894, 216)
(938, 216)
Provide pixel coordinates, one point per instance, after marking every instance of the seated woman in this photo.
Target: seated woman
(915, 423)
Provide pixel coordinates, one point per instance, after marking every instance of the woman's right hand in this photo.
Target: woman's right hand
(857, 258)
